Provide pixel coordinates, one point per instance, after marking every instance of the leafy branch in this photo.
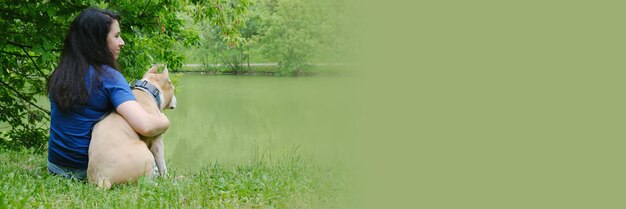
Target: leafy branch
(23, 97)
(144, 9)
(35, 64)
(17, 54)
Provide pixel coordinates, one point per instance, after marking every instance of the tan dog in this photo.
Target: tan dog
(117, 154)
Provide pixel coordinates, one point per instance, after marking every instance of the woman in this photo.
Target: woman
(85, 86)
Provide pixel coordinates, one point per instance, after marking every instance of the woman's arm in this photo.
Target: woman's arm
(144, 124)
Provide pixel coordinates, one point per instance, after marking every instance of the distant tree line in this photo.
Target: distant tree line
(292, 33)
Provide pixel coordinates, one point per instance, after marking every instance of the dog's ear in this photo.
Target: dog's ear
(152, 70)
(167, 74)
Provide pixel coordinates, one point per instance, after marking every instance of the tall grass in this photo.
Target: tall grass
(288, 183)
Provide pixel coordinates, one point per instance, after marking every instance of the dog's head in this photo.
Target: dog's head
(164, 84)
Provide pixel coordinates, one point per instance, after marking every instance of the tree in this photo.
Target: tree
(32, 38)
(227, 15)
(297, 32)
(232, 56)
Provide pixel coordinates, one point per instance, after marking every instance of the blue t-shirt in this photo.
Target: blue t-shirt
(70, 132)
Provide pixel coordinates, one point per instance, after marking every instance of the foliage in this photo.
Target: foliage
(298, 31)
(234, 58)
(289, 183)
(32, 38)
(291, 33)
(226, 44)
(288, 39)
(30, 43)
(227, 15)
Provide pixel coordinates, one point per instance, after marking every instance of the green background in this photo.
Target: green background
(491, 104)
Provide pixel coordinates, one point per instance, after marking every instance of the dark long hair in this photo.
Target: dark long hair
(85, 45)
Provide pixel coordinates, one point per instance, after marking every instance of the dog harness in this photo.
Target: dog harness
(144, 85)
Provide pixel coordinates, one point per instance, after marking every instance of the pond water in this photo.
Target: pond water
(239, 119)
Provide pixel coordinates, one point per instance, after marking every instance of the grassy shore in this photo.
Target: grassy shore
(288, 183)
(337, 69)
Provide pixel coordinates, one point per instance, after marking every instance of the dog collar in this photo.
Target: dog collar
(144, 85)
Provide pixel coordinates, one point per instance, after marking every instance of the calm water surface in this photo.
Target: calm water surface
(239, 119)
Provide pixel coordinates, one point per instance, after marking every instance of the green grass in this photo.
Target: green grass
(288, 183)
